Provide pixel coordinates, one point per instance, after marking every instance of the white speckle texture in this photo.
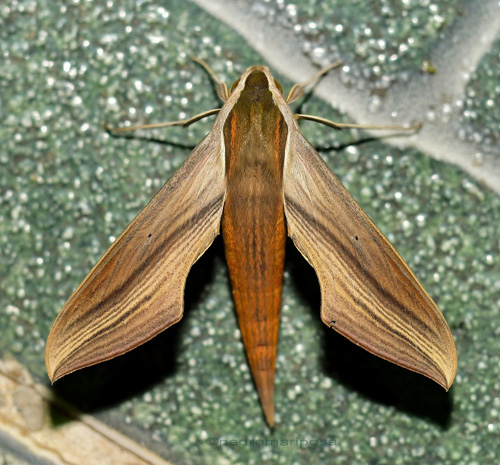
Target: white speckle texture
(67, 189)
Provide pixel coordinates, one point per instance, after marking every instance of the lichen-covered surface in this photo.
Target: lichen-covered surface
(67, 189)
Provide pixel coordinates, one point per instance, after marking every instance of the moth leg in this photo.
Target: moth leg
(221, 88)
(182, 122)
(298, 89)
(339, 126)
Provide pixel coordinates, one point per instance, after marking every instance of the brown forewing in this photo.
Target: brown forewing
(136, 289)
(368, 292)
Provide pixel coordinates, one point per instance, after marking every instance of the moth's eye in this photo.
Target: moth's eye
(234, 85)
(278, 85)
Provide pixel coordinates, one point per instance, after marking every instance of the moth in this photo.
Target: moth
(255, 177)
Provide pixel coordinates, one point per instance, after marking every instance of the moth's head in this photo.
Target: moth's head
(257, 77)
(257, 86)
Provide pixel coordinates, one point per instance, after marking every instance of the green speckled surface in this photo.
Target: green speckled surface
(481, 109)
(67, 188)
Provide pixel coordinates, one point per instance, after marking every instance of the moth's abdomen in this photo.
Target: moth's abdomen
(254, 240)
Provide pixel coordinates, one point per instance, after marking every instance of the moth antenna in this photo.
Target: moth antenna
(221, 88)
(297, 90)
(182, 122)
(340, 126)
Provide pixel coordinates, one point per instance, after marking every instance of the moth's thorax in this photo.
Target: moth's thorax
(255, 131)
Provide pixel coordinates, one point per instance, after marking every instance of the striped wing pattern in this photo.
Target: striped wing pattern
(368, 292)
(136, 290)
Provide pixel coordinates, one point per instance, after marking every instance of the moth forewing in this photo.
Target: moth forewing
(368, 292)
(136, 289)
